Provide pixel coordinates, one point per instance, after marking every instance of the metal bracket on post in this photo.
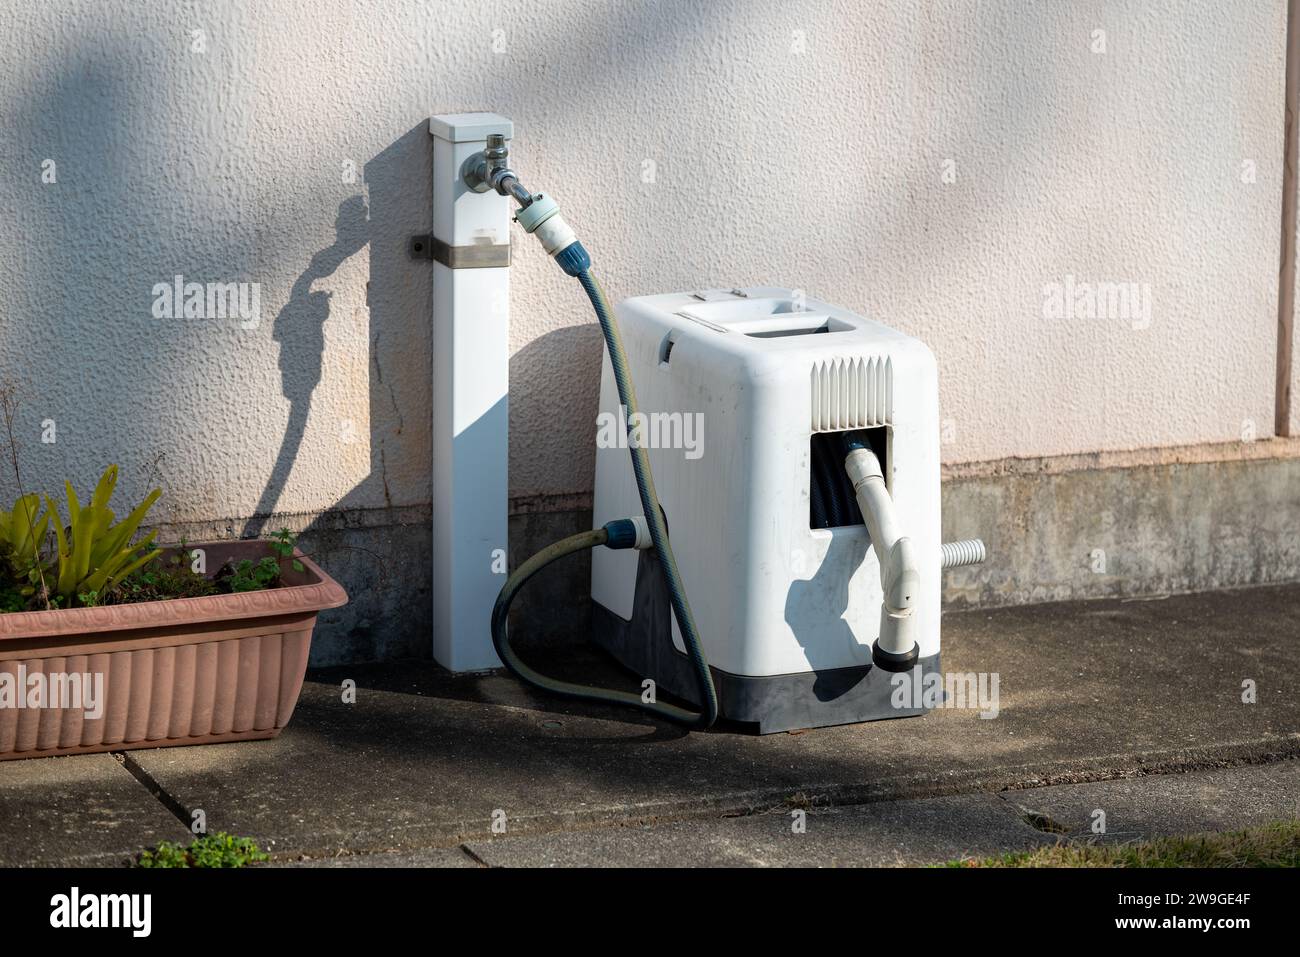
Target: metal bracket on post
(470, 249)
(473, 256)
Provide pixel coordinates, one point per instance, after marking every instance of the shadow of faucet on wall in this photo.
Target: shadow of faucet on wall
(299, 328)
(373, 535)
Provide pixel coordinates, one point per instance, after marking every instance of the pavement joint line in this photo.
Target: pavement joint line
(469, 852)
(1205, 758)
(175, 807)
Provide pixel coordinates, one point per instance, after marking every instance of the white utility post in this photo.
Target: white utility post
(470, 248)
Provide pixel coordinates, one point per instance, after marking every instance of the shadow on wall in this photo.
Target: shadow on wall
(383, 555)
(300, 330)
(380, 552)
(562, 367)
(555, 609)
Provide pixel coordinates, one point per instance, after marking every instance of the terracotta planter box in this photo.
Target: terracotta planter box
(186, 671)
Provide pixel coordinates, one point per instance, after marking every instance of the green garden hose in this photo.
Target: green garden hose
(574, 261)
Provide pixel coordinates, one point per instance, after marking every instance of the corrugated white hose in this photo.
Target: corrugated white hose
(968, 551)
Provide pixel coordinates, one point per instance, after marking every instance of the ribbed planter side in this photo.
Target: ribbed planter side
(190, 671)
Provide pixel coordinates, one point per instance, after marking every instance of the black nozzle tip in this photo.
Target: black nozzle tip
(892, 661)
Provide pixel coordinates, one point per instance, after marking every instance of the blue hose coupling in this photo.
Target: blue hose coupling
(852, 441)
(628, 533)
(573, 259)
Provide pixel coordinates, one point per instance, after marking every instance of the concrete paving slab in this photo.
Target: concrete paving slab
(896, 833)
(1169, 804)
(1087, 691)
(885, 834)
(86, 810)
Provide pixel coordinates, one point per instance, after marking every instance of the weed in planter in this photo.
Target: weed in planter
(211, 850)
(170, 577)
(282, 543)
(247, 575)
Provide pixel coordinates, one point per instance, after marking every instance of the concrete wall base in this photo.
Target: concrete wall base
(1127, 525)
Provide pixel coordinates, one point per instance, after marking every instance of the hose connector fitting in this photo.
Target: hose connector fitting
(542, 218)
(631, 532)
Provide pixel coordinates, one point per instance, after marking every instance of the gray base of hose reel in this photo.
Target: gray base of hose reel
(811, 699)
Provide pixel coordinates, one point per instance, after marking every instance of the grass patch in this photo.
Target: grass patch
(1271, 845)
(211, 850)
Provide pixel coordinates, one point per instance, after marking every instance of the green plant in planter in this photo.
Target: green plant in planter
(247, 575)
(255, 576)
(172, 577)
(96, 563)
(96, 553)
(11, 584)
(21, 533)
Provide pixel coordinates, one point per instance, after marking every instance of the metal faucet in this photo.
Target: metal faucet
(487, 170)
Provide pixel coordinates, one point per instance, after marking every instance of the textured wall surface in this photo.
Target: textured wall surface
(933, 165)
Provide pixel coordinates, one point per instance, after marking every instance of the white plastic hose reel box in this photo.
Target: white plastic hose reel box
(746, 396)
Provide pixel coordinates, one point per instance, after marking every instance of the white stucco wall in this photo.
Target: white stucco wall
(792, 144)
